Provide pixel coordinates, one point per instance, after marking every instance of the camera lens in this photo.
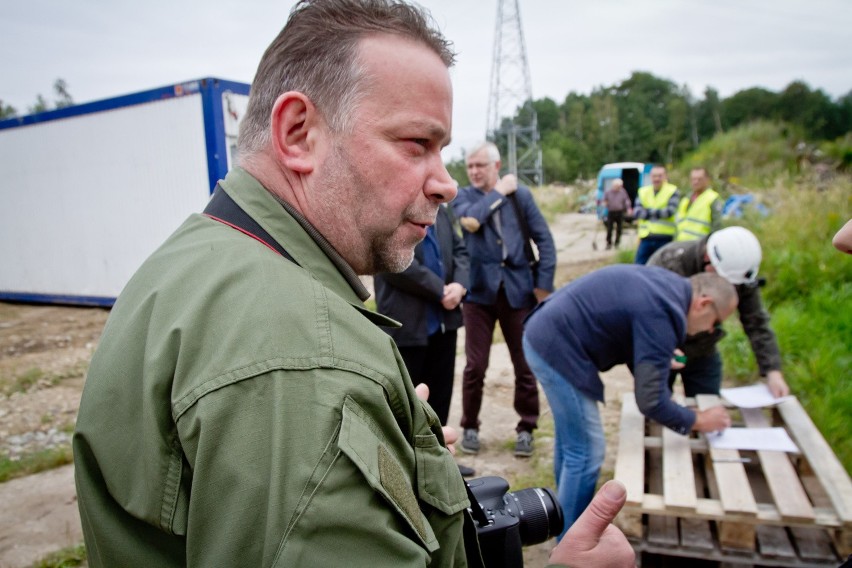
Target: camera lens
(539, 512)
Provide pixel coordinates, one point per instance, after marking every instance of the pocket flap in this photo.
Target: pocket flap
(438, 480)
(360, 441)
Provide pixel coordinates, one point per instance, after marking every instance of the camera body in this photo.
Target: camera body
(507, 521)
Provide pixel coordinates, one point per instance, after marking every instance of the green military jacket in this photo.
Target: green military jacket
(243, 410)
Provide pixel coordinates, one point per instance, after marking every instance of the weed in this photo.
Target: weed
(34, 462)
(65, 558)
(25, 381)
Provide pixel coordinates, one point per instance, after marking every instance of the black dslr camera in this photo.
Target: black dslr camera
(506, 521)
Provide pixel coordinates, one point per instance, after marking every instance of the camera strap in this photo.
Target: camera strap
(224, 209)
(525, 232)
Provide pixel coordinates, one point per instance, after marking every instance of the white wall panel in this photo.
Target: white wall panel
(85, 200)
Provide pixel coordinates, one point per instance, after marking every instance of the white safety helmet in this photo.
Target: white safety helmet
(735, 254)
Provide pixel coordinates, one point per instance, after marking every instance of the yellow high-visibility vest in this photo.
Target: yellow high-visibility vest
(693, 219)
(649, 200)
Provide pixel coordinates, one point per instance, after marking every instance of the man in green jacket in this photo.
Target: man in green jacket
(242, 408)
(735, 254)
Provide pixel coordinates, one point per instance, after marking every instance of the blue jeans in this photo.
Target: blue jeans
(580, 444)
(702, 375)
(649, 246)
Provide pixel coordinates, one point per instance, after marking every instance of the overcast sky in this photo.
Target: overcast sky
(109, 48)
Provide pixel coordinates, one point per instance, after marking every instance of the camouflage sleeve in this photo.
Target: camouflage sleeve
(670, 257)
(716, 215)
(755, 320)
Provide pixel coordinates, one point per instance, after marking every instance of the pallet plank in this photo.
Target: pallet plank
(783, 480)
(813, 544)
(630, 460)
(661, 530)
(712, 509)
(734, 489)
(696, 534)
(773, 542)
(824, 463)
(678, 477)
(733, 536)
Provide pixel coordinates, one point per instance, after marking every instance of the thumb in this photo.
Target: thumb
(600, 513)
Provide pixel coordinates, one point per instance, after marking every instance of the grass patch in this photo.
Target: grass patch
(25, 381)
(34, 463)
(539, 473)
(809, 296)
(65, 558)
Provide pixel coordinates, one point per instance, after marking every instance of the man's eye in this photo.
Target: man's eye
(421, 141)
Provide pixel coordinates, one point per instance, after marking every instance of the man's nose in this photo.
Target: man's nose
(441, 187)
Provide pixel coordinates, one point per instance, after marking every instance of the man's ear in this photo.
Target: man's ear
(704, 302)
(295, 123)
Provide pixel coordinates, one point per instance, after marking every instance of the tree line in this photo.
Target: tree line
(649, 119)
(643, 119)
(62, 98)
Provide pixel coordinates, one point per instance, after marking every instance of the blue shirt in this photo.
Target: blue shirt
(497, 248)
(622, 314)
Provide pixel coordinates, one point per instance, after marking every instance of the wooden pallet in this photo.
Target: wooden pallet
(687, 499)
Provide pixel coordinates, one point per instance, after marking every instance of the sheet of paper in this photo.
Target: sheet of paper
(775, 439)
(754, 396)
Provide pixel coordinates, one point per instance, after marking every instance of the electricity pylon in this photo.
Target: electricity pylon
(512, 120)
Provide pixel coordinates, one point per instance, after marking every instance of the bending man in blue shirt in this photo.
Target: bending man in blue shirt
(623, 314)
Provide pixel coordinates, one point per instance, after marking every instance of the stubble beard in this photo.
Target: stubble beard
(367, 248)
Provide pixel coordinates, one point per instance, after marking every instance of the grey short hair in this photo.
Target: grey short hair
(316, 54)
(713, 286)
(490, 148)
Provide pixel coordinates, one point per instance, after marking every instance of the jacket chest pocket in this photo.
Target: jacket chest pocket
(436, 480)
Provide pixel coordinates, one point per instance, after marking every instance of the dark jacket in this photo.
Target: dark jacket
(687, 258)
(622, 314)
(488, 267)
(405, 296)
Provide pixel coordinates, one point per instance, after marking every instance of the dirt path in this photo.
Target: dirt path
(44, 351)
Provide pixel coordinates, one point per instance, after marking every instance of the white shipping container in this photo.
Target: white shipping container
(90, 191)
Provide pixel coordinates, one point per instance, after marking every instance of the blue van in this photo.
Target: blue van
(633, 174)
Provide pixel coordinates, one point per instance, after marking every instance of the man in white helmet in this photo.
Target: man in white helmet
(735, 254)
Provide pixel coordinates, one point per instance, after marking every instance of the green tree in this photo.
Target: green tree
(458, 171)
(41, 105)
(548, 115)
(708, 115)
(748, 105)
(63, 98)
(812, 110)
(6, 110)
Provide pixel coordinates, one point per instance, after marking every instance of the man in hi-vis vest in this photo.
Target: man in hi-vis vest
(701, 213)
(655, 209)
